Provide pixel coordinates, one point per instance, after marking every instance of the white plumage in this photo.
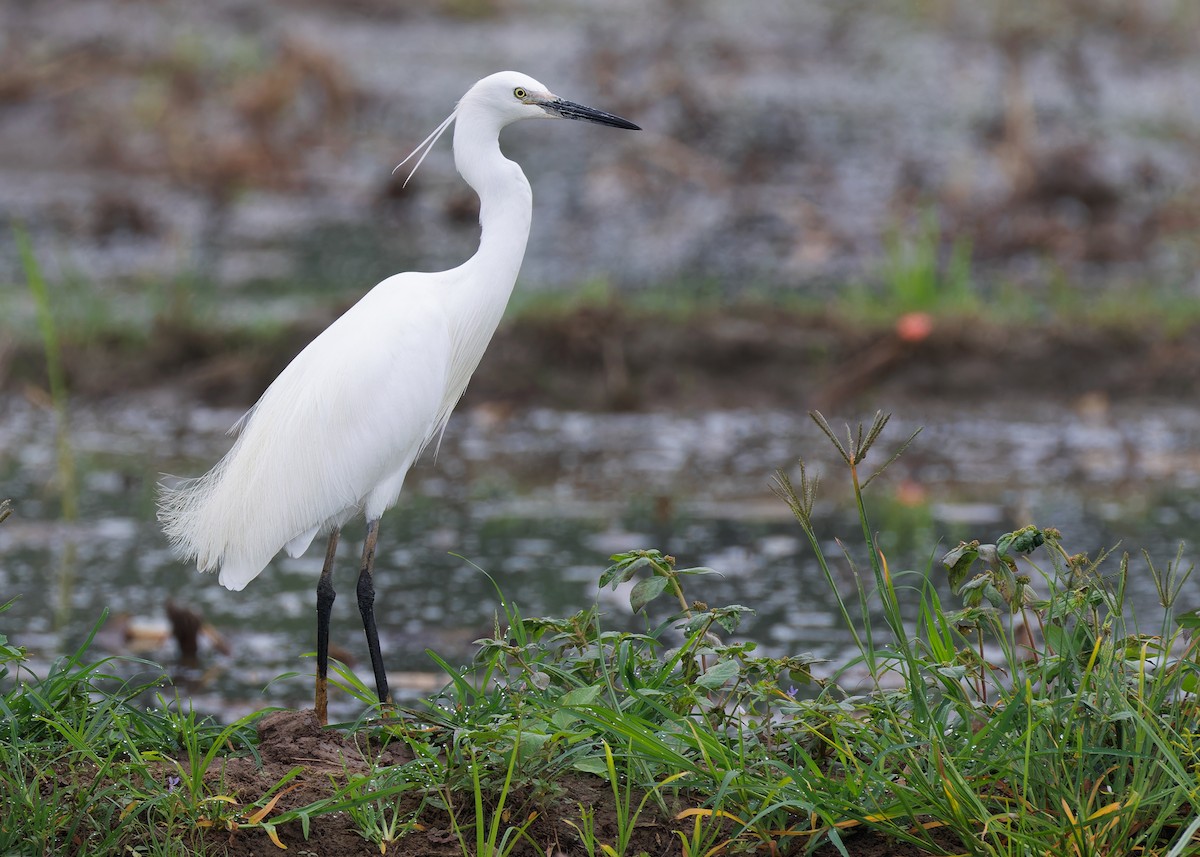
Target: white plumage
(336, 432)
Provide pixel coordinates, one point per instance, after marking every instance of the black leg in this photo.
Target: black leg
(366, 606)
(325, 596)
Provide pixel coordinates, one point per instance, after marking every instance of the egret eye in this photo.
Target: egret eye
(520, 93)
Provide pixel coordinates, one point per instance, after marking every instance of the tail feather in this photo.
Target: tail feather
(177, 506)
(254, 502)
(209, 520)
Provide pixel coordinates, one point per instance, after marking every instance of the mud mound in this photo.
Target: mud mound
(291, 739)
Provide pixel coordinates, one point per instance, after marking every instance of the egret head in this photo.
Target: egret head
(506, 97)
(511, 96)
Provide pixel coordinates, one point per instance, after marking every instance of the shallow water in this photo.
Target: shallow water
(541, 499)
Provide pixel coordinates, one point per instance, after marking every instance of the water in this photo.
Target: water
(540, 500)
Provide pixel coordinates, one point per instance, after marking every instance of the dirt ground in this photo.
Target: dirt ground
(293, 738)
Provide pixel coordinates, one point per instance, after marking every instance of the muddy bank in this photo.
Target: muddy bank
(605, 358)
(291, 740)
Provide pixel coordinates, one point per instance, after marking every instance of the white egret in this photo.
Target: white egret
(334, 435)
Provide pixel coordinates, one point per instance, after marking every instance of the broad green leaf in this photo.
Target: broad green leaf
(646, 591)
(718, 675)
(591, 765)
(1024, 540)
(1189, 620)
(730, 617)
(800, 676)
(699, 569)
(958, 563)
(564, 717)
(532, 742)
(1056, 637)
(581, 695)
(621, 570)
(994, 597)
(972, 590)
(955, 672)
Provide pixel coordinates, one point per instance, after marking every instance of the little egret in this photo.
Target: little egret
(334, 435)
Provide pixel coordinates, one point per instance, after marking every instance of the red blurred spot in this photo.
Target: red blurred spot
(911, 494)
(914, 326)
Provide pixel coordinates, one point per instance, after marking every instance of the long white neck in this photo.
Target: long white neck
(505, 204)
(478, 290)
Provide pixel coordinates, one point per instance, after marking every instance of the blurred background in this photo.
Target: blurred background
(244, 143)
(982, 216)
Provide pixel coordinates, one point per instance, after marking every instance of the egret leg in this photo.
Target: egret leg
(325, 596)
(366, 606)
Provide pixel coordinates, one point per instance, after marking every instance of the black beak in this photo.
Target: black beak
(571, 110)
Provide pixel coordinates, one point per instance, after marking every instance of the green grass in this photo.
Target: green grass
(917, 275)
(55, 378)
(84, 766)
(1030, 717)
(921, 269)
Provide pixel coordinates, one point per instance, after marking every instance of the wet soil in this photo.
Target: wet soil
(609, 358)
(292, 739)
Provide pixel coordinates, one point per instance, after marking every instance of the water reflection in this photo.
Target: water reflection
(540, 500)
